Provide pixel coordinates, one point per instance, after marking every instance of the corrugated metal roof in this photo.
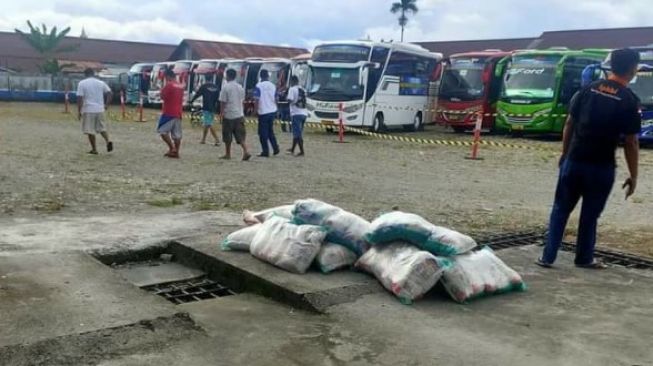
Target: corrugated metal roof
(217, 50)
(596, 38)
(14, 51)
(449, 48)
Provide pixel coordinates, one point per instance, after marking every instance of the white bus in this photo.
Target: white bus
(380, 85)
(157, 81)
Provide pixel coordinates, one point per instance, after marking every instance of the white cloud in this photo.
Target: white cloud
(306, 22)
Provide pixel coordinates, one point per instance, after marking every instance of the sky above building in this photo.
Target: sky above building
(307, 22)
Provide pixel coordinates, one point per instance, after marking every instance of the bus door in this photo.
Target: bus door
(374, 75)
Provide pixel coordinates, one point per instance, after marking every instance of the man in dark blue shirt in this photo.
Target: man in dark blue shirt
(599, 115)
(210, 94)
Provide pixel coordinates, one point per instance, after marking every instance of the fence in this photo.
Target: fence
(44, 88)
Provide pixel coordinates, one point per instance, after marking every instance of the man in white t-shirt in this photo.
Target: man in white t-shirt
(93, 95)
(266, 107)
(298, 114)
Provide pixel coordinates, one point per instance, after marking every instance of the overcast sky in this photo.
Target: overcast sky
(306, 22)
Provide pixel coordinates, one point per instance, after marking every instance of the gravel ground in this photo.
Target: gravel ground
(44, 170)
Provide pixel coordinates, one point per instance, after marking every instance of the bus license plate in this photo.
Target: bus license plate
(328, 123)
(518, 128)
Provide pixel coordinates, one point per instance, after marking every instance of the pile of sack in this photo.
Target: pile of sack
(405, 252)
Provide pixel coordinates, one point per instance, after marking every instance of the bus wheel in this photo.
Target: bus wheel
(378, 126)
(418, 124)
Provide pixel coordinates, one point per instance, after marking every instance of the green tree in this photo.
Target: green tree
(48, 45)
(403, 8)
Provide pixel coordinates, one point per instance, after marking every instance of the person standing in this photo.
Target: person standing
(266, 108)
(298, 114)
(599, 115)
(93, 97)
(232, 97)
(169, 127)
(210, 94)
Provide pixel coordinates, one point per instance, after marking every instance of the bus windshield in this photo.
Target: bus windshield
(463, 82)
(642, 86)
(276, 70)
(238, 66)
(156, 78)
(335, 84)
(530, 82)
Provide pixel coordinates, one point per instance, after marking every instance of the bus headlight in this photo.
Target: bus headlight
(542, 112)
(353, 108)
(310, 107)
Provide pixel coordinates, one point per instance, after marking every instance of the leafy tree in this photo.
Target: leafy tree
(48, 45)
(404, 7)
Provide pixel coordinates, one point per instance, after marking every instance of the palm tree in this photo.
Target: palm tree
(404, 7)
(47, 44)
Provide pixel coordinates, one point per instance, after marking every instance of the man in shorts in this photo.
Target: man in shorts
(232, 97)
(93, 95)
(210, 93)
(169, 126)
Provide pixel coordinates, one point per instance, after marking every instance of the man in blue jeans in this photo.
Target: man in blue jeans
(266, 107)
(599, 115)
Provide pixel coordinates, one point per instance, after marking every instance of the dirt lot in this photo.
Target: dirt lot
(44, 170)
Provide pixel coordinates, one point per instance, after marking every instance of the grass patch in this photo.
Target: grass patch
(174, 201)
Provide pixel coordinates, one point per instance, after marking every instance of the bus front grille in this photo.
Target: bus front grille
(328, 115)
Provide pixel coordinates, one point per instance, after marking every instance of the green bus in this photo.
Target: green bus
(537, 88)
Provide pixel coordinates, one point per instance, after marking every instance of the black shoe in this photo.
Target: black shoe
(276, 152)
(109, 146)
(261, 155)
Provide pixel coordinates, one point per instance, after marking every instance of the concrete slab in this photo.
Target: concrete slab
(57, 233)
(243, 272)
(567, 317)
(146, 274)
(49, 295)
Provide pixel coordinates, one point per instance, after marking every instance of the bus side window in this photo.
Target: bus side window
(571, 83)
(379, 56)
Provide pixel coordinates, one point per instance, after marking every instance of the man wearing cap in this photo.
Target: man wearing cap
(599, 115)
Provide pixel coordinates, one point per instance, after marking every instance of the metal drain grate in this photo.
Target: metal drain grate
(189, 291)
(510, 240)
(616, 258)
(498, 241)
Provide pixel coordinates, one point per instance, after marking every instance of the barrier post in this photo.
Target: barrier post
(140, 108)
(66, 102)
(122, 105)
(341, 125)
(477, 137)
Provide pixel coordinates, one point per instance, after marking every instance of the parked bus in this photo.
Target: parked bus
(138, 82)
(538, 86)
(642, 86)
(470, 84)
(379, 85)
(157, 81)
(205, 71)
(299, 67)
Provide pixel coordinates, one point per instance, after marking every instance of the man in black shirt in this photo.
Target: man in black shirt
(599, 115)
(210, 94)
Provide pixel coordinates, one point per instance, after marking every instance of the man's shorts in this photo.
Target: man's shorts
(233, 129)
(93, 123)
(169, 125)
(207, 118)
